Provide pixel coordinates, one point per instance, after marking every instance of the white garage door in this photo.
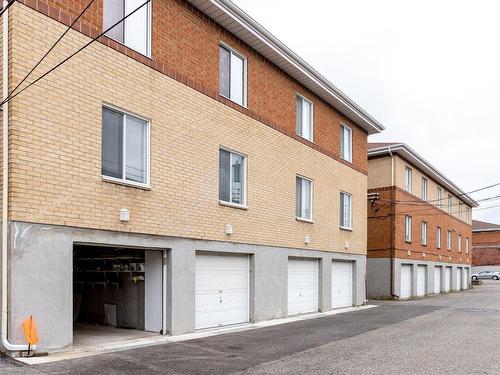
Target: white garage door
(302, 286)
(421, 280)
(406, 282)
(222, 287)
(437, 279)
(447, 279)
(459, 278)
(341, 284)
(465, 279)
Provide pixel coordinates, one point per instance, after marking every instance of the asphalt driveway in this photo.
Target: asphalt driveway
(437, 335)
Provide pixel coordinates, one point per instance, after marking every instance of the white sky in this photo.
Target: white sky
(428, 70)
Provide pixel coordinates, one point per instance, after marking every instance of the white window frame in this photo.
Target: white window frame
(408, 228)
(245, 184)
(424, 233)
(450, 204)
(149, 34)
(460, 208)
(342, 145)
(123, 180)
(408, 179)
(438, 237)
(297, 95)
(448, 240)
(459, 243)
(349, 227)
(467, 245)
(245, 74)
(300, 218)
(439, 197)
(423, 193)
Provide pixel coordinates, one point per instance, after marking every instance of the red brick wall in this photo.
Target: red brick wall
(378, 237)
(187, 42)
(486, 250)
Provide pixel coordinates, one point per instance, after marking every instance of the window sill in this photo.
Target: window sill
(244, 106)
(302, 137)
(407, 241)
(130, 48)
(233, 205)
(126, 183)
(346, 229)
(309, 221)
(346, 160)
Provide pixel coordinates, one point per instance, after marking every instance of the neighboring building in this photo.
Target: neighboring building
(187, 171)
(485, 246)
(419, 226)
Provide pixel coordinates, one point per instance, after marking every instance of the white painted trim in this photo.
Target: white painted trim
(300, 218)
(342, 125)
(234, 51)
(244, 205)
(298, 95)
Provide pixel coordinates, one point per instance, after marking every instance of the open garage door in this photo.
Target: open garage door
(303, 282)
(222, 290)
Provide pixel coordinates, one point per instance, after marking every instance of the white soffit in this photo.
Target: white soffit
(237, 22)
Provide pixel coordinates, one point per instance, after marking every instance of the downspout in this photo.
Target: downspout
(5, 187)
(393, 218)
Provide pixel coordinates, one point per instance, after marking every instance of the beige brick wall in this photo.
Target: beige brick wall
(56, 147)
(379, 172)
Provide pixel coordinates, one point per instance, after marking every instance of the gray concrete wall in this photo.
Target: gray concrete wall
(378, 271)
(476, 269)
(41, 277)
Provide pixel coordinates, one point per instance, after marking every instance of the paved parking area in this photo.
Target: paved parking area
(457, 333)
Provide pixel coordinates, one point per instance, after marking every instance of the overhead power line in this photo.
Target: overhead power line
(73, 54)
(7, 7)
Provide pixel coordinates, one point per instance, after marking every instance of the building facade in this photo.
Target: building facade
(185, 171)
(419, 226)
(485, 246)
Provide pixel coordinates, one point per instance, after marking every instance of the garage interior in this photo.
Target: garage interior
(111, 299)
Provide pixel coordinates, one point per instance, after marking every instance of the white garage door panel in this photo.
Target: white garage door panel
(465, 282)
(222, 290)
(421, 280)
(447, 279)
(406, 282)
(437, 279)
(302, 286)
(341, 284)
(459, 278)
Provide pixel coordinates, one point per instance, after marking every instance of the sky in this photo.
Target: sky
(429, 71)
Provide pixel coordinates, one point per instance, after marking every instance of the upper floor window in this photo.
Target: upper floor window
(438, 238)
(439, 196)
(460, 206)
(304, 118)
(233, 73)
(345, 143)
(448, 240)
(423, 193)
(304, 198)
(408, 179)
(125, 147)
(232, 177)
(135, 30)
(467, 245)
(450, 203)
(345, 211)
(408, 228)
(424, 233)
(459, 243)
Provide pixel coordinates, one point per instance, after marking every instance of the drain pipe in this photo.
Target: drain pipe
(5, 188)
(393, 218)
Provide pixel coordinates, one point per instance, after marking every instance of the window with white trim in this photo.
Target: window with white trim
(424, 233)
(460, 207)
(439, 197)
(408, 179)
(125, 147)
(346, 143)
(438, 238)
(408, 228)
(304, 198)
(423, 193)
(450, 203)
(467, 245)
(135, 30)
(459, 243)
(304, 118)
(345, 210)
(233, 75)
(448, 241)
(232, 168)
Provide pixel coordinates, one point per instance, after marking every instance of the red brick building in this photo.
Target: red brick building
(419, 226)
(485, 246)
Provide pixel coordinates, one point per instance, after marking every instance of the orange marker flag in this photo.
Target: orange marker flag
(30, 331)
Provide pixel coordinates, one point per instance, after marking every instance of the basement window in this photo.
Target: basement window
(125, 147)
(135, 30)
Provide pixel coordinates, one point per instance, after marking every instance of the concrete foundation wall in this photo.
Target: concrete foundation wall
(378, 270)
(41, 277)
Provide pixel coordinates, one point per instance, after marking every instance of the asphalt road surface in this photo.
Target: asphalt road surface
(457, 333)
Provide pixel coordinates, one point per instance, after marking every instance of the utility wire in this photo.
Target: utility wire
(50, 50)
(73, 54)
(7, 7)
